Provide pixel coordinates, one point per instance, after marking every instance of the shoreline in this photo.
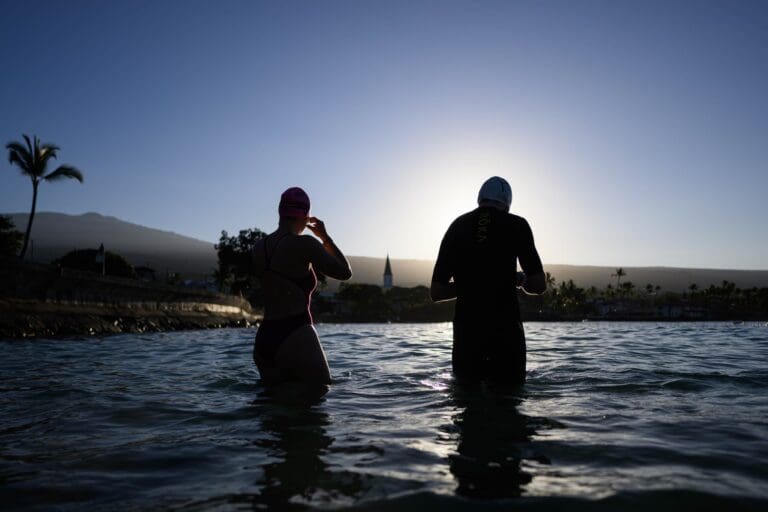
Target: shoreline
(49, 301)
(22, 319)
(26, 319)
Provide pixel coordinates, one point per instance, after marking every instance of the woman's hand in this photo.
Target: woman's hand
(318, 228)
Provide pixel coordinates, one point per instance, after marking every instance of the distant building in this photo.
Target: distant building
(387, 275)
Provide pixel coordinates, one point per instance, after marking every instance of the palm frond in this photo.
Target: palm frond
(16, 146)
(29, 143)
(47, 151)
(64, 171)
(14, 158)
(19, 155)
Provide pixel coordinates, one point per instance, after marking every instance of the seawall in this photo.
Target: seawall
(48, 301)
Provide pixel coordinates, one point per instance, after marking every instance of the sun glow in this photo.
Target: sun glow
(437, 188)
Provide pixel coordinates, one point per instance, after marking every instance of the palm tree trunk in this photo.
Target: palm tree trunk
(31, 218)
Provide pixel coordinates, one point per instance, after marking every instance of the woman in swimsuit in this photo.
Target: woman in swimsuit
(287, 347)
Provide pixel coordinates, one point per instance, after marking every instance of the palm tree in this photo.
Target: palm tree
(550, 280)
(33, 161)
(618, 275)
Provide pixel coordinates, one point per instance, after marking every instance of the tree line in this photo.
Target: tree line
(562, 301)
(724, 301)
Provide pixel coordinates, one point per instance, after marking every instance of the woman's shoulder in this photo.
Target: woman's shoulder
(307, 242)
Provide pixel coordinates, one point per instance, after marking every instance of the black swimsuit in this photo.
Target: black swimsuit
(273, 332)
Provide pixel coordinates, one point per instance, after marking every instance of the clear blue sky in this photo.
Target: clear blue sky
(632, 133)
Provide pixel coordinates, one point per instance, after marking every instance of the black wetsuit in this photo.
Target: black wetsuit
(480, 252)
(273, 332)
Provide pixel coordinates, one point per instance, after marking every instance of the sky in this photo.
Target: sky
(632, 133)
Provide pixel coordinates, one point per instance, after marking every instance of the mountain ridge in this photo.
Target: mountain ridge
(167, 251)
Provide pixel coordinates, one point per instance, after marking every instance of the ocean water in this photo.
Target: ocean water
(614, 416)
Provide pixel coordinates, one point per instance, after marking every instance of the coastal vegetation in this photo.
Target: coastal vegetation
(32, 159)
(562, 301)
(371, 303)
(53, 300)
(567, 301)
(88, 260)
(10, 239)
(235, 264)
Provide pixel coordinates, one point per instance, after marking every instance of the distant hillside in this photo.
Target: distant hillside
(415, 272)
(56, 233)
(669, 278)
(406, 272)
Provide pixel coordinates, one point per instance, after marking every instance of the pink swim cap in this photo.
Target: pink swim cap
(294, 203)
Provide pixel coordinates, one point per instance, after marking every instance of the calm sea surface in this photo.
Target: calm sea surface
(614, 416)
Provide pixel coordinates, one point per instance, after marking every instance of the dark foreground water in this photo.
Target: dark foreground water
(615, 416)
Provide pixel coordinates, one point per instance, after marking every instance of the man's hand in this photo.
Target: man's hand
(442, 291)
(535, 284)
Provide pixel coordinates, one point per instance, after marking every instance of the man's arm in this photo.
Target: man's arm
(442, 288)
(535, 284)
(439, 292)
(534, 281)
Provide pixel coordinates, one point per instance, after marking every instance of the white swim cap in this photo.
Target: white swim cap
(496, 189)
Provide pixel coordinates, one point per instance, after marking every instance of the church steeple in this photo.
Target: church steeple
(387, 275)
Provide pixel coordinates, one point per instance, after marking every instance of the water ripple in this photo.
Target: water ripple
(611, 412)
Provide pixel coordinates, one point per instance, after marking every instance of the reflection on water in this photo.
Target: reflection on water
(491, 438)
(295, 437)
(296, 440)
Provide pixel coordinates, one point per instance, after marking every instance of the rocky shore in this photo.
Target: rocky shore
(33, 319)
(47, 301)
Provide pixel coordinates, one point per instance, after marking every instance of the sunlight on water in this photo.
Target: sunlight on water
(169, 419)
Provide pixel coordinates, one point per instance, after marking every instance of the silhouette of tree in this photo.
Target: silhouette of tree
(33, 159)
(10, 239)
(365, 302)
(235, 272)
(550, 280)
(627, 289)
(85, 259)
(618, 275)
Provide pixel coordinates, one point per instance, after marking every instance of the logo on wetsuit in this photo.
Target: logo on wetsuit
(482, 227)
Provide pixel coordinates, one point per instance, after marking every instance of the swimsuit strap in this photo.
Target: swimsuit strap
(300, 281)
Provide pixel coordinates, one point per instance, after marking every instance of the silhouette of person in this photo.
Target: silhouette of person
(477, 266)
(287, 347)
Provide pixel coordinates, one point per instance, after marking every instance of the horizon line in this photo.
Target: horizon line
(592, 265)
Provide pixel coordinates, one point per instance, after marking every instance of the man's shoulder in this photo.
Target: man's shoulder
(465, 218)
(472, 217)
(517, 218)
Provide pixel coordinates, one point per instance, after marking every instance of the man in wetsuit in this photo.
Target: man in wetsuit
(477, 266)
